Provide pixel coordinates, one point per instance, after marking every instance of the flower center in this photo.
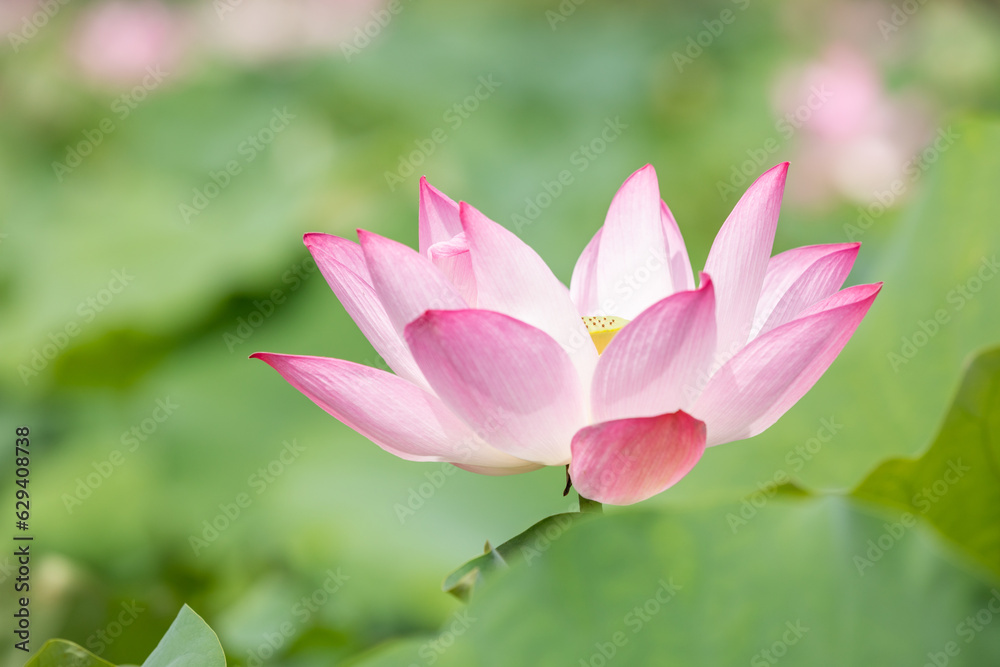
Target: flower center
(602, 329)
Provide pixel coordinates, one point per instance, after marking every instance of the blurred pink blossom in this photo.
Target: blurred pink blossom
(855, 143)
(116, 43)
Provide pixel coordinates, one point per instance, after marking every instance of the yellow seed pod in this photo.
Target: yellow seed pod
(603, 328)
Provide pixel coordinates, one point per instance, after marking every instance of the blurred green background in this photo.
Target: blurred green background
(159, 163)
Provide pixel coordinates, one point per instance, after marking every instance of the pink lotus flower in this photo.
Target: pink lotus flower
(626, 377)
